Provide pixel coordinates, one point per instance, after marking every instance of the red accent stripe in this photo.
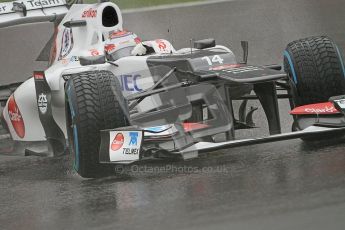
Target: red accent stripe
(188, 127)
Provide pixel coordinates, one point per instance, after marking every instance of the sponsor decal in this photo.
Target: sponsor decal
(90, 13)
(119, 34)
(94, 52)
(161, 45)
(326, 109)
(42, 103)
(321, 108)
(66, 43)
(130, 151)
(16, 117)
(137, 40)
(7, 7)
(109, 48)
(66, 61)
(134, 138)
(39, 76)
(129, 83)
(227, 66)
(117, 142)
(125, 145)
(40, 3)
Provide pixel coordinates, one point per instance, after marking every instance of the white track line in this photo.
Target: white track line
(173, 6)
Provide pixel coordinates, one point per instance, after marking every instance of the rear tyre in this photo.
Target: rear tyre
(94, 102)
(316, 69)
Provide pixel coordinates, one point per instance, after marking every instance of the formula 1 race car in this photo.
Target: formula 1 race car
(114, 107)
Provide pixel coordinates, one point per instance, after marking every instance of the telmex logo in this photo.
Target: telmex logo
(117, 142)
(134, 138)
(90, 13)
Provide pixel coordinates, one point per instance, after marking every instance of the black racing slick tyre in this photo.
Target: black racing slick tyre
(316, 69)
(94, 102)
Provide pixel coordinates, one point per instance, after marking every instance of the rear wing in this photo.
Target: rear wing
(30, 11)
(6, 91)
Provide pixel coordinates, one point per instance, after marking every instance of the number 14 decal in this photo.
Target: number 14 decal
(215, 59)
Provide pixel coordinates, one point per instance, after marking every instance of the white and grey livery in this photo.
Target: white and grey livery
(118, 100)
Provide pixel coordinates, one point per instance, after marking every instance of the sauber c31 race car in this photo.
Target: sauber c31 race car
(107, 106)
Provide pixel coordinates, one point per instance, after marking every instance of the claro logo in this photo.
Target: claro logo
(117, 142)
(16, 117)
(321, 110)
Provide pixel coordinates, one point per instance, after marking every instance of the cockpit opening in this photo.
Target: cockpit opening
(109, 17)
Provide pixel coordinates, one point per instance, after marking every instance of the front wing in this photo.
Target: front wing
(127, 146)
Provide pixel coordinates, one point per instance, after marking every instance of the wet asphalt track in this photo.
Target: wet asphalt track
(285, 185)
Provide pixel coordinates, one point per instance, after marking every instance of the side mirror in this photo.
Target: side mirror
(205, 43)
(92, 60)
(75, 23)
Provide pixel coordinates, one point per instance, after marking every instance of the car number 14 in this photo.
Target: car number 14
(215, 59)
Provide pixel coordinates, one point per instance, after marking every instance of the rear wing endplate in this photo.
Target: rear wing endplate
(31, 11)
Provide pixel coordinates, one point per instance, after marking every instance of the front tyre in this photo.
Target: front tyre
(316, 69)
(94, 102)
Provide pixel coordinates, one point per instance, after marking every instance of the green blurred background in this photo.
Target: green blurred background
(137, 3)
